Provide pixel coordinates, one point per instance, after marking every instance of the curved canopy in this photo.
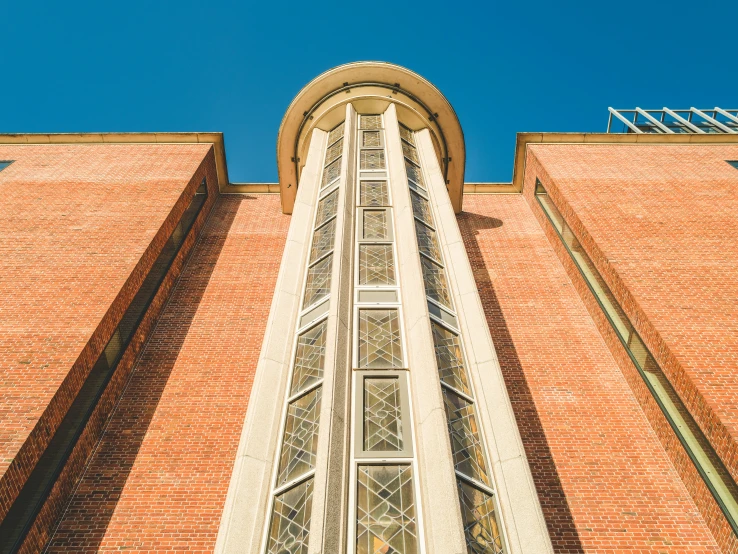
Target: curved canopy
(370, 87)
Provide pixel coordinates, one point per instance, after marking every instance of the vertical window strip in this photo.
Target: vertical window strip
(716, 476)
(475, 488)
(385, 518)
(292, 493)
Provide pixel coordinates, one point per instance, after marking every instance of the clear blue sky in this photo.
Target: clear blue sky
(235, 66)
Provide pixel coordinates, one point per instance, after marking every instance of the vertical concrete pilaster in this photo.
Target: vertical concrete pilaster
(522, 517)
(246, 509)
(442, 520)
(328, 523)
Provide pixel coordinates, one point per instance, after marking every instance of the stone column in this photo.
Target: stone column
(245, 514)
(522, 518)
(328, 524)
(441, 516)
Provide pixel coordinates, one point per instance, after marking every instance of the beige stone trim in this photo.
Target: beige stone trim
(251, 188)
(522, 517)
(216, 139)
(329, 512)
(524, 139)
(245, 513)
(437, 481)
(315, 107)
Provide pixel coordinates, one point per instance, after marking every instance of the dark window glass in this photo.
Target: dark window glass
(4, 164)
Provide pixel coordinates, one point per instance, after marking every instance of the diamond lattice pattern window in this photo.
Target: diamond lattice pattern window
(379, 339)
(386, 521)
(421, 208)
(382, 418)
(327, 208)
(318, 281)
(309, 358)
(336, 133)
(372, 159)
(376, 264)
(290, 526)
(375, 224)
(434, 278)
(465, 445)
(333, 152)
(323, 240)
(449, 358)
(370, 122)
(374, 193)
(300, 440)
(331, 172)
(480, 524)
(427, 241)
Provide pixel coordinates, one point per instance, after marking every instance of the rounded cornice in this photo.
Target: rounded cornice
(370, 87)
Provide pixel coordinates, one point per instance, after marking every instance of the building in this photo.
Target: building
(371, 356)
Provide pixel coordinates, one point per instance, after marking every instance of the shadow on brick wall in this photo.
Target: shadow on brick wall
(88, 515)
(555, 507)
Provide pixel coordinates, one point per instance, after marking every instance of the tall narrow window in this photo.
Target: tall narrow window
(384, 517)
(292, 490)
(475, 487)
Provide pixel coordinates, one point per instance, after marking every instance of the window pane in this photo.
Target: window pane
(374, 193)
(300, 437)
(480, 523)
(464, 434)
(290, 527)
(371, 139)
(386, 510)
(436, 286)
(421, 208)
(323, 240)
(336, 133)
(410, 153)
(309, 358)
(372, 159)
(382, 418)
(333, 152)
(407, 134)
(318, 284)
(449, 358)
(370, 122)
(427, 241)
(414, 173)
(376, 264)
(379, 339)
(331, 172)
(327, 208)
(375, 224)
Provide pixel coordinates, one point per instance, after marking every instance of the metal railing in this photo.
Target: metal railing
(667, 121)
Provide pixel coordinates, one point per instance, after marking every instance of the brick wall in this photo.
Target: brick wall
(79, 244)
(660, 224)
(158, 479)
(605, 482)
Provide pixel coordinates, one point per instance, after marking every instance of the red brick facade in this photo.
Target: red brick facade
(84, 224)
(158, 479)
(646, 224)
(605, 481)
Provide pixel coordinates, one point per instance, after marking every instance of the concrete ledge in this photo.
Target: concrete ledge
(216, 139)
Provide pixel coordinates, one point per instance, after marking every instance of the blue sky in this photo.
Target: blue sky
(235, 66)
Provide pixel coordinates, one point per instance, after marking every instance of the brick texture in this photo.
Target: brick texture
(605, 481)
(158, 478)
(82, 226)
(651, 212)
